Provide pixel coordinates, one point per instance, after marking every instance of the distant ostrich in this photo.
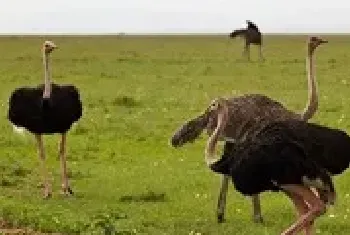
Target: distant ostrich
(292, 156)
(246, 113)
(251, 35)
(47, 109)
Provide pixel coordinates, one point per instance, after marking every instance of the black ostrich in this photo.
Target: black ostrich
(47, 109)
(293, 156)
(251, 35)
(261, 165)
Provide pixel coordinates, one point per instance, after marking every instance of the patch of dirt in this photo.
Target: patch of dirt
(5, 229)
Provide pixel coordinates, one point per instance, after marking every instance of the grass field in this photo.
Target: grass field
(136, 91)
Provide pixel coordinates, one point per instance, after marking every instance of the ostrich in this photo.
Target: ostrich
(250, 112)
(47, 109)
(291, 156)
(251, 35)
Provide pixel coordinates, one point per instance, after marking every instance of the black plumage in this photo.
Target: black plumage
(238, 33)
(56, 114)
(251, 25)
(252, 35)
(284, 153)
(47, 109)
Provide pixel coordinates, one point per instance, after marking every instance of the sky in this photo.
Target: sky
(172, 16)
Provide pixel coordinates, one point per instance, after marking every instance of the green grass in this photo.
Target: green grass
(136, 91)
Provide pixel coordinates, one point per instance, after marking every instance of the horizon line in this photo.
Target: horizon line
(163, 34)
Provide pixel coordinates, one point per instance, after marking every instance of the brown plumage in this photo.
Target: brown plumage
(293, 156)
(249, 113)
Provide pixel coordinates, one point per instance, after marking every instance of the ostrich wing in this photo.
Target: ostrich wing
(189, 131)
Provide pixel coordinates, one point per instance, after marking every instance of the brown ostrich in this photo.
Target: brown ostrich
(284, 156)
(247, 114)
(251, 35)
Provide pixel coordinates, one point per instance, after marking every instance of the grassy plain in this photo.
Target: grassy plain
(136, 91)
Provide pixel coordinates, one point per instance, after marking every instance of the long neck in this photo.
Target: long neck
(213, 139)
(312, 104)
(47, 76)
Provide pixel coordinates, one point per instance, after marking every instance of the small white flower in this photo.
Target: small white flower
(331, 216)
(341, 119)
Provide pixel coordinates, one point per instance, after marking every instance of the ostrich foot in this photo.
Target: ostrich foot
(47, 193)
(221, 218)
(67, 191)
(258, 219)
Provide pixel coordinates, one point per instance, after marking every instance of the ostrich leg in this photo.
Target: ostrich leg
(261, 53)
(62, 152)
(257, 217)
(316, 208)
(302, 209)
(246, 52)
(44, 173)
(222, 199)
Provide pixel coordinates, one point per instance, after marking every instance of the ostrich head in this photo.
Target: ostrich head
(49, 46)
(314, 42)
(218, 107)
(250, 24)
(190, 131)
(212, 111)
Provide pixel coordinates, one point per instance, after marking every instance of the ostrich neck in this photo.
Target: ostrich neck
(312, 104)
(47, 76)
(213, 139)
